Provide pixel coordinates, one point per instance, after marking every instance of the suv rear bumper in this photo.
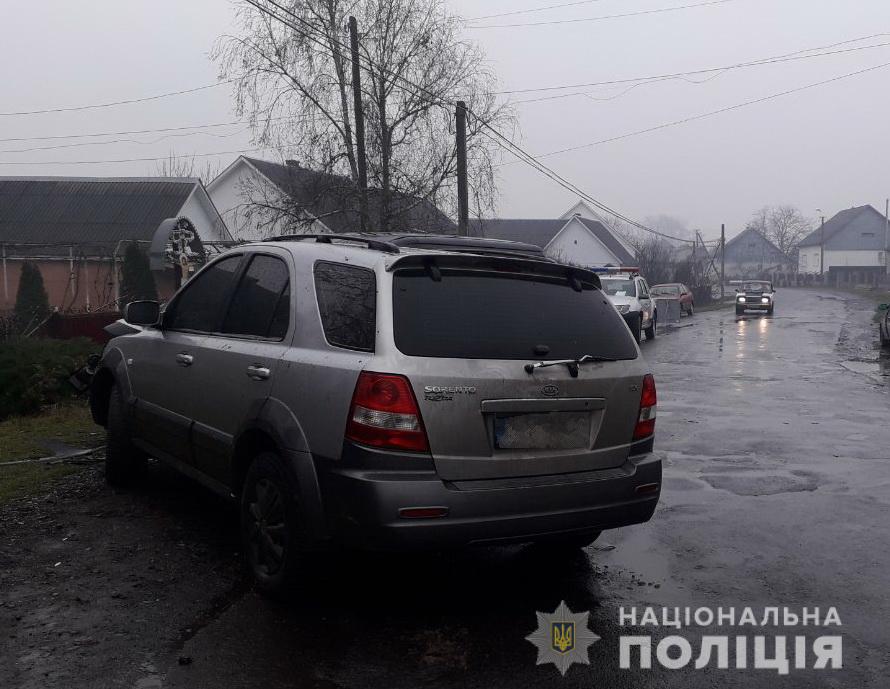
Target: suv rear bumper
(368, 503)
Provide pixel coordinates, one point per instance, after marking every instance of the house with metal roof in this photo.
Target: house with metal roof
(850, 248)
(750, 254)
(76, 229)
(260, 199)
(574, 239)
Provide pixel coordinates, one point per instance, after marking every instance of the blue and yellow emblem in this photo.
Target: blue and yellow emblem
(563, 636)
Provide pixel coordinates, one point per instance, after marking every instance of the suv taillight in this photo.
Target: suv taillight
(384, 413)
(646, 419)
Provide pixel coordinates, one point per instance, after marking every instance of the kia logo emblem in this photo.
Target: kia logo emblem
(550, 390)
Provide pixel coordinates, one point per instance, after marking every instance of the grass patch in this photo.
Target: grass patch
(29, 479)
(23, 437)
(26, 437)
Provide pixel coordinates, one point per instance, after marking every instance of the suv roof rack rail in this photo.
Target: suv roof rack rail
(376, 244)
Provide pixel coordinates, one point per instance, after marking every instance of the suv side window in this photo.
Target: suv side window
(642, 289)
(260, 306)
(198, 307)
(347, 302)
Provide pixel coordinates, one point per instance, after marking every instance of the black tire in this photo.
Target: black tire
(770, 310)
(271, 530)
(637, 329)
(691, 310)
(124, 462)
(652, 329)
(885, 342)
(568, 542)
(739, 311)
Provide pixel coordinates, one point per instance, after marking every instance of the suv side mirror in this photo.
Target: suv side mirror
(142, 313)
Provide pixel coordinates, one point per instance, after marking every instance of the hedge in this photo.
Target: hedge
(34, 372)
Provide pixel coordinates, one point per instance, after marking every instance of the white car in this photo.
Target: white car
(629, 292)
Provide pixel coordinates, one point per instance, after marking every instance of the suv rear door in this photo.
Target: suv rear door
(465, 331)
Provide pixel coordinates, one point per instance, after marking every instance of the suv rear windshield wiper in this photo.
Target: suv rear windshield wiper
(572, 364)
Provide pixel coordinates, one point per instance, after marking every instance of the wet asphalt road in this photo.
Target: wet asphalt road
(776, 443)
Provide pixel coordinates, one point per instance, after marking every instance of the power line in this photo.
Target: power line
(534, 9)
(124, 133)
(120, 141)
(640, 13)
(132, 160)
(75, 108)
(794, 57)
(702, 116)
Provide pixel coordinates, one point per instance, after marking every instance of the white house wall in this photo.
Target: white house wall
(231, 193)
(203, 218)
(809, 259)
(586, 212)
(575, 244)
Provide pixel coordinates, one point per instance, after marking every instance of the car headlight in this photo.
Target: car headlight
(764, 300)
(742, 300)
(623, 308)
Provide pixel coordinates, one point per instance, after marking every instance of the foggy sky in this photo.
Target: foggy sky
(823, 148)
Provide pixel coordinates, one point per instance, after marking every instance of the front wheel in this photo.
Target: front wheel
(270, 525)
(739, 311)
(885, 341)
(653, 325)
(124, 462)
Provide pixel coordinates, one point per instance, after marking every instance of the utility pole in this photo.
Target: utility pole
(463, 200)
(722, 260)
(694, 261)
(360, 158)
(887, 237)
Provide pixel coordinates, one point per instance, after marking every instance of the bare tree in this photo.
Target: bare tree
(187, 166)
(787, 227)
(295, 88)
(784, 226)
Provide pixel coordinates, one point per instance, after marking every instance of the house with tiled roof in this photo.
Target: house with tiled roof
(261, 198)
(76, 230)
(850, 248)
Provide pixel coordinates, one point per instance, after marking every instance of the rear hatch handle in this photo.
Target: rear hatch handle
(572, 364)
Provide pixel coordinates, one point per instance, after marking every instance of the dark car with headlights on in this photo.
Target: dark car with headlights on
(755, 295)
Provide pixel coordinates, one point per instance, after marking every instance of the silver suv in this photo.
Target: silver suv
(387, 394)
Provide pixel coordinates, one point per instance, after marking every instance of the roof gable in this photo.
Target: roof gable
(333, 199)
(861, 228)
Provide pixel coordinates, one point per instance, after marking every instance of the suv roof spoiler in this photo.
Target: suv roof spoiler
(524, 264)
(377, 244)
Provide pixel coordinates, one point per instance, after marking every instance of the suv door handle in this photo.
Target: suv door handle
(184, 359)
(256, 372)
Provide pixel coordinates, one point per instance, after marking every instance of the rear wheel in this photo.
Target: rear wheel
(270, 525)
(653, 325)
(124, 462)
(690, 310)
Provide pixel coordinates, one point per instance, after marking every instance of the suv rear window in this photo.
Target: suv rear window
(347, 302)
(478, 315)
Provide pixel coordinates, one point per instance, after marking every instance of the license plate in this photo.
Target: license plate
(546, 431)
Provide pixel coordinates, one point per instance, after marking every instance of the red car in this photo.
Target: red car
(678, 291)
